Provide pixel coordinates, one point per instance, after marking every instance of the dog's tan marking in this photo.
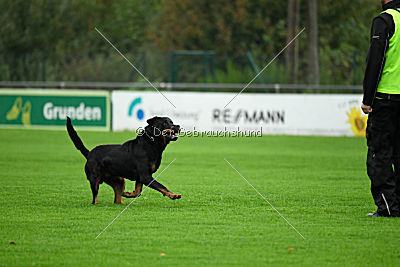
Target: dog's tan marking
(167, 131)
(153, 168)
(165, 140)
(170, 194)
(119, 188)
(136, 193)
(138, 188)
(98, 182)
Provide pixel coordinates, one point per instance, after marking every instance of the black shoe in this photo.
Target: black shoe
(373, 214)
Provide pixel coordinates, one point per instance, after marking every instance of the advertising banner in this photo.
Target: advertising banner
(50, 108)
(294, 114)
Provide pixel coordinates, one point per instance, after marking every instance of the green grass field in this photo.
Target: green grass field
(318, 183)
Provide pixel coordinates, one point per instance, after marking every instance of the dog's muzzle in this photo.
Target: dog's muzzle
(172, 133)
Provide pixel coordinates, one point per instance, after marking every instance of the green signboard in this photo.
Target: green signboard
(50, 108)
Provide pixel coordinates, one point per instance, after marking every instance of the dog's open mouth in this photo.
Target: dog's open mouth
(172, 134)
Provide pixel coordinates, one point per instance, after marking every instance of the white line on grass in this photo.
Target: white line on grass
(134, 199)
(264, 198)
(265, 67)
(144, 77)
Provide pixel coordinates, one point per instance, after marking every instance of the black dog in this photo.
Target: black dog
(135, 160)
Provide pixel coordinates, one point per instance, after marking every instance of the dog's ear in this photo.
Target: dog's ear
(152, 121)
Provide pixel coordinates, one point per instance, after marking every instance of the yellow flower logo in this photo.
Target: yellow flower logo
(357, 121)
(17, 108)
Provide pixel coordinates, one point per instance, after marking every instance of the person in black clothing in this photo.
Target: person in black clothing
(383, 107)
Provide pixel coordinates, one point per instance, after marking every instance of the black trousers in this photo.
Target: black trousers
(383, 159)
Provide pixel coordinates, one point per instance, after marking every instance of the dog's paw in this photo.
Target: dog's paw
(131, 195)
(175, 196)
(127, 194)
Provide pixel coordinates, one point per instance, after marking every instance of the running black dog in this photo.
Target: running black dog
(135, 160)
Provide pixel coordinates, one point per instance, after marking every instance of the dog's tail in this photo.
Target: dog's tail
(75, 139)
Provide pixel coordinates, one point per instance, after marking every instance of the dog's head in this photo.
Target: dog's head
(162, 127)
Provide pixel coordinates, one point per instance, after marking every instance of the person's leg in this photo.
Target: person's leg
(396, 156)
(380, 136)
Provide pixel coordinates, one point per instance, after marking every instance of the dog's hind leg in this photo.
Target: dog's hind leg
(95, 181)
(94, 185)
(95, 192)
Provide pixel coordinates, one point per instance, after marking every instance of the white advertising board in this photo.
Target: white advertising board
(294, 114)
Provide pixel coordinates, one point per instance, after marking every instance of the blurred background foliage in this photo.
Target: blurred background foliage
(56, 40)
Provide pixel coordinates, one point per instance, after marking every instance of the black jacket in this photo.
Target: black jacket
(382, 30)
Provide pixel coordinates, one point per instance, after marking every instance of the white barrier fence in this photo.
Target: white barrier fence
(294, 114)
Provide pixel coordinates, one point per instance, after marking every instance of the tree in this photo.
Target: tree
(292, 52)
(229, 27)
(312, 36)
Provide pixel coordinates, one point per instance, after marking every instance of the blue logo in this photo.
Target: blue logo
(139, 112)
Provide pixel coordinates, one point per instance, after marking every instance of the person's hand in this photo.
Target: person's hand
(366, 109)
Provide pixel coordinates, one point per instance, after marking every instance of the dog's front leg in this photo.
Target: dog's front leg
(150, 182)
